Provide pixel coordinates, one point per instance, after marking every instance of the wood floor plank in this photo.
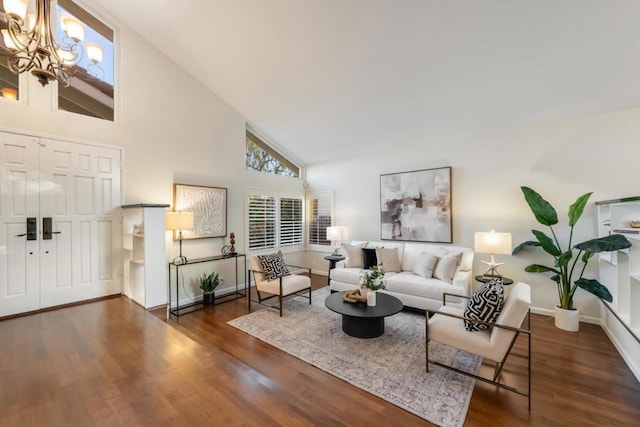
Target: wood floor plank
(110, 363)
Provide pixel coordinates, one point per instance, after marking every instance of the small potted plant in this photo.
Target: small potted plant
(371, 281)
(208, 284)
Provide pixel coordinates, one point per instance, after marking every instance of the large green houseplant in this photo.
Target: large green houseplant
(566, 262)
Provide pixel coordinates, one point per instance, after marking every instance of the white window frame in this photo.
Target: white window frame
(274, 151)
(278, 196)
(329, 197)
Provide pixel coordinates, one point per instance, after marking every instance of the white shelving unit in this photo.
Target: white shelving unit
(144, 244)
(620, 270)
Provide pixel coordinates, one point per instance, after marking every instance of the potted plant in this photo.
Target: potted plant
(208, 284)
(566, 263)
(371, 281)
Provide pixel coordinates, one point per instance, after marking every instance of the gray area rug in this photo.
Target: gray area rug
(391, 367)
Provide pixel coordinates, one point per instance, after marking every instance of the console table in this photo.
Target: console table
(180, 310)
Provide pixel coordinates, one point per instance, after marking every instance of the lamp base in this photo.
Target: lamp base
(493, 268)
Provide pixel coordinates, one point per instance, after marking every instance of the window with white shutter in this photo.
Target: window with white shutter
(291, 222)
(320, 216)
(274, 220)
(262, 222)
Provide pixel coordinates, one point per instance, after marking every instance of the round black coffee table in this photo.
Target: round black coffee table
(360, 320)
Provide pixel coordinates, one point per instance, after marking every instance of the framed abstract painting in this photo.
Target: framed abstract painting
(416, 206)
(209, 207)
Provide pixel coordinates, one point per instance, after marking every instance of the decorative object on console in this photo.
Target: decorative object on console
(337, 234)
(179, 221)
(209, 207)
(208, 284)
(563, 272)
(416, 206)
(492, 243)
(232, 240)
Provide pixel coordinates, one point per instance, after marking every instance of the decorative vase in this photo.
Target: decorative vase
(209, 298)
(567, 320)
(371, 298)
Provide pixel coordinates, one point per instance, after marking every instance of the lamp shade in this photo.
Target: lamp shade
(336, 233)
(493, 243)
(179, 220)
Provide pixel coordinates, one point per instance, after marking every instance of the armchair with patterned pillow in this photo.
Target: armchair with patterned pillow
(273, 279)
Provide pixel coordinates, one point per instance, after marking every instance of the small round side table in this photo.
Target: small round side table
(486, 279)
(332, 264)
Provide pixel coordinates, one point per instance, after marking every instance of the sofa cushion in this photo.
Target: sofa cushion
(273, 265)
(409, 283)
(346, 275)
(425, 264)
(485, 304)
(369, 258)
(447, 265)
(389, 258)
(351, 275)
(353, 255)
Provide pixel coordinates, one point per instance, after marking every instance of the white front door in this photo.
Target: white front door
(72, 193)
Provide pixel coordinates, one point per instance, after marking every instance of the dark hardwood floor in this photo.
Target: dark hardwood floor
(111, 363)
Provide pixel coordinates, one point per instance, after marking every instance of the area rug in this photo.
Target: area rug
(391, 367)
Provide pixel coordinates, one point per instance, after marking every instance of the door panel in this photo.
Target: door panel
(78, 187)
(19, 257)
(83, 200)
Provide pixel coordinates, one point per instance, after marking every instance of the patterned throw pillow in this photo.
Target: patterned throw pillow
(273, 265)
(485, 304)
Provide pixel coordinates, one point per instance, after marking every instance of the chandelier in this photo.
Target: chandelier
(32, 46)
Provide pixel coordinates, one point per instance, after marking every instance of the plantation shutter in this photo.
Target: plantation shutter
(291, 223)
(319, 207)
(262, 222)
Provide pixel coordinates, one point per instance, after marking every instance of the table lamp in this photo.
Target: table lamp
(336, 234)
(492, 243)
(178, 221)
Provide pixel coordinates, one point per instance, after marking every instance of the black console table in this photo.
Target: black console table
(180, 310)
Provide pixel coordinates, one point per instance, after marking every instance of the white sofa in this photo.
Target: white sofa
(412, 289)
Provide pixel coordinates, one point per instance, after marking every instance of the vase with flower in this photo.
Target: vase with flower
(371, 281)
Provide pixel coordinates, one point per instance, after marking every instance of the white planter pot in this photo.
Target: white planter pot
(371, 298)
(567, 320)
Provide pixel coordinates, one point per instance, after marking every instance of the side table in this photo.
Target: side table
(486, 279)
(332, 264)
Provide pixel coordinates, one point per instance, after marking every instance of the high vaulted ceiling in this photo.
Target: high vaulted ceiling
(327, 78)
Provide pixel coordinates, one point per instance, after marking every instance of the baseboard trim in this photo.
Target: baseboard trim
(635, 369)
(550, 313)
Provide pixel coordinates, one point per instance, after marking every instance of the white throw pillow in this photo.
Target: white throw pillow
(389, 259)
(425, 264)
(446, 266)
(353, 255)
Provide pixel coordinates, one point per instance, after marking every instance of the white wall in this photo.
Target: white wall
(173, 129)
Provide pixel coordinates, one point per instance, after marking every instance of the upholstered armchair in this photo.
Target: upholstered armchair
(447, 326)
(278, 285)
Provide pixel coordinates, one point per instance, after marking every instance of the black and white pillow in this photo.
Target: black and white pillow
(273, 266)
(485, 304)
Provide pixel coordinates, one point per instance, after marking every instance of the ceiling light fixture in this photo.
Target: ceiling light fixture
(32, 46)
